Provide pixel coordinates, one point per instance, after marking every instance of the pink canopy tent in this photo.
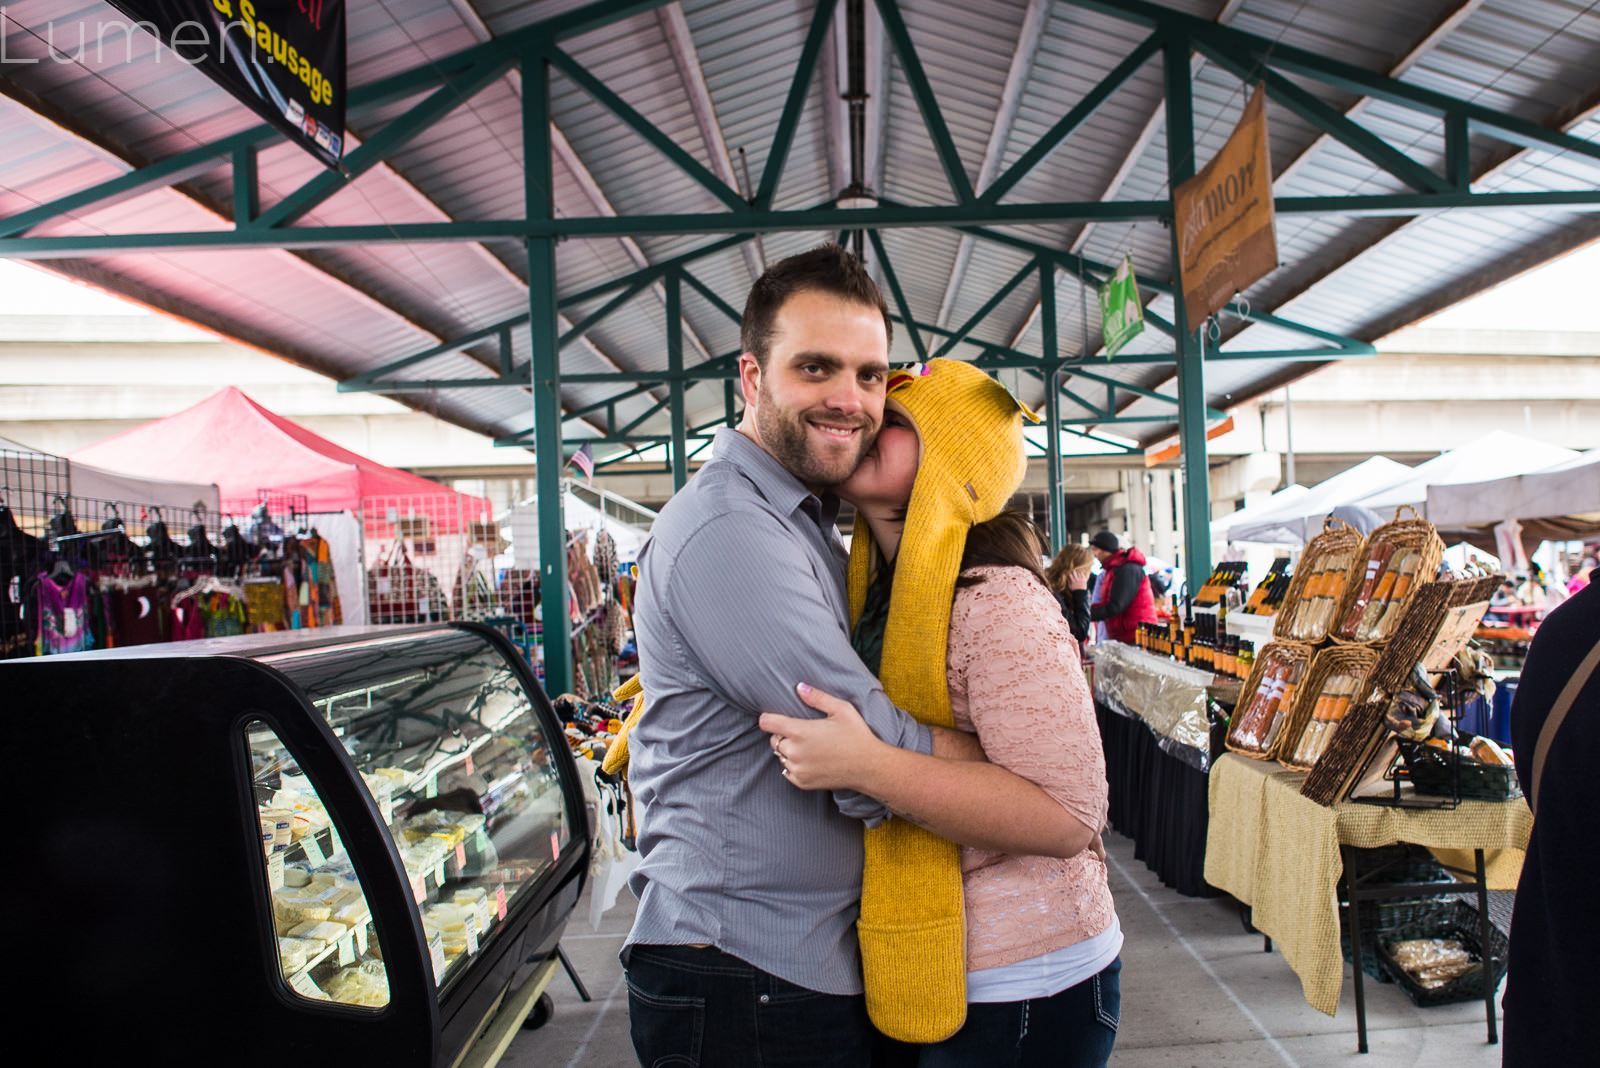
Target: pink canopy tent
(234, 442)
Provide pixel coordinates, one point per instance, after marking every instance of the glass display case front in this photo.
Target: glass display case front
(448, 744)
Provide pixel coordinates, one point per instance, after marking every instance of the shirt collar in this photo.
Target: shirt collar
(774, 481)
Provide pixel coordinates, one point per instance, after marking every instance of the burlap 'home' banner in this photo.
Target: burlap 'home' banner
(1226, 235)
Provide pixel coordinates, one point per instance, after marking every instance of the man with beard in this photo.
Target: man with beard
(744, 947)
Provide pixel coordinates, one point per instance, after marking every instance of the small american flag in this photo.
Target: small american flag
(584, 458)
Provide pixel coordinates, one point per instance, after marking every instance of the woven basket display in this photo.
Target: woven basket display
(1265, 699)
(1362, 731)
(1457, 921)
(1398, 558)
(1315, 592)
(1442, 773)
(1335, 680)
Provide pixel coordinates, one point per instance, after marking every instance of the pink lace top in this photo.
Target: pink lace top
(1015, 679)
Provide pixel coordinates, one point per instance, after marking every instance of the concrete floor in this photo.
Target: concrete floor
(1197, 992)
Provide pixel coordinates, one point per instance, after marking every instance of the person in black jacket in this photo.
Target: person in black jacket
(1069, 581)
(1552, 983)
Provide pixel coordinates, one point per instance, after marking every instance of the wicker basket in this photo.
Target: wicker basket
(1433, 771)
(1399, 557)
(1273, 655)
(1456, 920)
(1349, 662)
(1307, 619)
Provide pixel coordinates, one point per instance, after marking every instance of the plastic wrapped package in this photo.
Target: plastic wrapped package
(291, 908)
(452, 922)
(478, 900)
(1433, 962)
(398, 778)
(323, 931)
(1169, 696)
(307, 814)
(293, 953)
(365, 984)
(355, 914)
(340, 894)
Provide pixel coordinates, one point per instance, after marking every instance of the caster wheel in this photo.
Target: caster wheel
(543, 1010)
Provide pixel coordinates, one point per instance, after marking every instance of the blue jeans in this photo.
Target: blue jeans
(1073, 1029)
(701, 1008)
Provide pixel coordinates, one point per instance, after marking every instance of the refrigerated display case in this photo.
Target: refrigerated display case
(355, 841)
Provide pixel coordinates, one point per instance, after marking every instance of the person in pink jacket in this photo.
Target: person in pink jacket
(1043, 944)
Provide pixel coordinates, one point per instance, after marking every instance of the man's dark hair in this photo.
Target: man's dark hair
(827, 268)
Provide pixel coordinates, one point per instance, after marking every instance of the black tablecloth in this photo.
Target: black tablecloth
(1158, 800)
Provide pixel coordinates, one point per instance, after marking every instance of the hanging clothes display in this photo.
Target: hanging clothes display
(323, 590)
(137, 611)
(20, 563)
(222, 614)
(63, 615)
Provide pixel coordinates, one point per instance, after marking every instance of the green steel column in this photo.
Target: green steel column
(680, 456)
(1052, 404)
(1191, 366)
(546, 375)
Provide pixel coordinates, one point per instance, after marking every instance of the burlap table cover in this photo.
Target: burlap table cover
(1278, 852)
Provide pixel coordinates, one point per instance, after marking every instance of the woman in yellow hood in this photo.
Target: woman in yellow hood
(965, 951)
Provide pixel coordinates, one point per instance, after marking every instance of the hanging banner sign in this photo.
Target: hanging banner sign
(1226, 234)
(284, 58)
(1121, 313)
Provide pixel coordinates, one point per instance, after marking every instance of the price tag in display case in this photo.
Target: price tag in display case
(361, 940)
(313, 851)
(555, 847)
(430, 788)
(436, 955)
(472, 934)
(306, 987)
(347, 950)
(500, 900)
(467, 764)
(275, 871)
(438, 874)
(461, 856)
(419, 892)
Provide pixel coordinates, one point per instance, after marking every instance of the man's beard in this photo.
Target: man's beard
(783, 431)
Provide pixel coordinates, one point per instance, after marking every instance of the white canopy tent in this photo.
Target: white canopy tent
(1558, 503)
(100, 484)
(1495, 455)
(584, 508)
(179, 497)
(1300, 519)
(1279, 500)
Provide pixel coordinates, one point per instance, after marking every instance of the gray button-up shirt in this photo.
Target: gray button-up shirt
(741, 596)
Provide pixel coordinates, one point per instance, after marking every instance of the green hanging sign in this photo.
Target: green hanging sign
(1121, 313)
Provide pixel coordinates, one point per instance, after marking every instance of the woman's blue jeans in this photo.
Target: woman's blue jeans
(1073, 1029)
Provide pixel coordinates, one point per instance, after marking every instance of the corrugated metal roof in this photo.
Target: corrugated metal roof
(70, 123)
